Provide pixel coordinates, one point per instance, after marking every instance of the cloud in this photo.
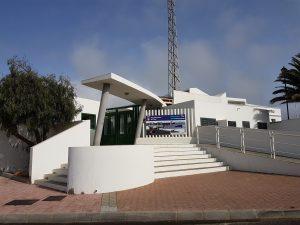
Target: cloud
(88, 58)
(201, 66)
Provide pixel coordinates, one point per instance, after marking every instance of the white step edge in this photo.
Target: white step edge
(182, 162)
(189, 172)
(187, 167)
(166, 153)
(181, 157)
(64, 166)
(57, 178)
(60, 171)
(176, 148)
(47, 184)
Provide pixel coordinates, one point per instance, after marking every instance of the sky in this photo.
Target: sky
(231, 46)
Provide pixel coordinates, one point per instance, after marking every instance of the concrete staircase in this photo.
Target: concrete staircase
(181, 160)
(169, 161)
(56, 180)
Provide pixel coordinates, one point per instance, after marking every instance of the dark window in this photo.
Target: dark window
(246, 124)
(231, 123)
(261, 125)
(208, 121)
(273, 120)
(91, 117)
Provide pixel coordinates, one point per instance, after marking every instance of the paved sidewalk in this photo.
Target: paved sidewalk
(14, 190)
(225, 196)
(230, 190)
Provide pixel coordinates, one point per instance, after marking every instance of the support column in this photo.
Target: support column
(101, 113)
(140, 120)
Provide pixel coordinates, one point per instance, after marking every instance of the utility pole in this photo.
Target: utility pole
(173, 68)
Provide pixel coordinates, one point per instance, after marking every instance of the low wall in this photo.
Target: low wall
(166, 140)
(284, 143)
(286, 125)
(254, 162)
(105, 169)
(12, 159)
(51, 153)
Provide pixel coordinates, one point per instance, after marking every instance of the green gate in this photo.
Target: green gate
(120, 125)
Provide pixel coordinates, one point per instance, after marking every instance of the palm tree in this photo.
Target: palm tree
(289, 91)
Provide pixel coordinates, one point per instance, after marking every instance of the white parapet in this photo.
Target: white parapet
(102, 169)
(51, 153)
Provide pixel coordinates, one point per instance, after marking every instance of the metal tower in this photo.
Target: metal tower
(173, 68)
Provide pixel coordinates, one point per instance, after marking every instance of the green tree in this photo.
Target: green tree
(36, 103)
(289, 90)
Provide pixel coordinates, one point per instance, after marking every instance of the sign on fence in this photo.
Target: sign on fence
(165, 124)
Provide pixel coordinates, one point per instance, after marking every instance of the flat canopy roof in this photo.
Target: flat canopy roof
(125, 89)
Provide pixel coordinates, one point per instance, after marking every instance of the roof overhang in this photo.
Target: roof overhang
(125, 89)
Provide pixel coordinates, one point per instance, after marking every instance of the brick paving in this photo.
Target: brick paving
(230, 190)
(215, 191)
(12, 190)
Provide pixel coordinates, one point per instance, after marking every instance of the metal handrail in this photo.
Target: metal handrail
(269, 138)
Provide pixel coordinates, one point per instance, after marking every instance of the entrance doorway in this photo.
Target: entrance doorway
(120, 125)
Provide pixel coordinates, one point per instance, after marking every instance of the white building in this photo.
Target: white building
(225, 111)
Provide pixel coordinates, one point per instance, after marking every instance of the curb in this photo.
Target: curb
(219, 216)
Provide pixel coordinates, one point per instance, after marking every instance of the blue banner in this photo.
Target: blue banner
(165, 117)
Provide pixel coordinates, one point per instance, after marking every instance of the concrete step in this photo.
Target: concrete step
(51, 184)
(60, 171)
(183, 162)
(158, 169)
(176, 149)
(64, 166)
(169, 153)
(181, 157)
(57, 178)
(175, 146)
(190, 172)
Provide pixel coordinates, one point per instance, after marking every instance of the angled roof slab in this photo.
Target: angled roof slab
(125, 89)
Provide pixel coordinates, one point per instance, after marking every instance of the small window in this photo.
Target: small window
(208, 121)
(261, 125)
(231, 123)
(273, 120)
(91, 117)
(246, 124)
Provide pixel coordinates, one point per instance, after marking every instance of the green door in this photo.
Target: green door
(119, 126)
(126, 134)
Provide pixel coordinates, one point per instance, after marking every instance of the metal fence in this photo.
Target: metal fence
(189, 117)
(270, 142)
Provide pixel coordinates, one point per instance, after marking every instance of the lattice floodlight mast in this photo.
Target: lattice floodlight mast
(173, 68)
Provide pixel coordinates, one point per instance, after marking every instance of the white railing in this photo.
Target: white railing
(189, 116)
(271, 142)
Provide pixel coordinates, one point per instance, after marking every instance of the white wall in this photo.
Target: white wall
(15, 158)
(104, 169)
(254, 163)
(51, 153)
(165, 140)
(88, 106)
(286, 125)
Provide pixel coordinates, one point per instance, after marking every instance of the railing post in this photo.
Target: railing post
(243, 147)
(218, 137)
(197, 133)
(272, 144)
